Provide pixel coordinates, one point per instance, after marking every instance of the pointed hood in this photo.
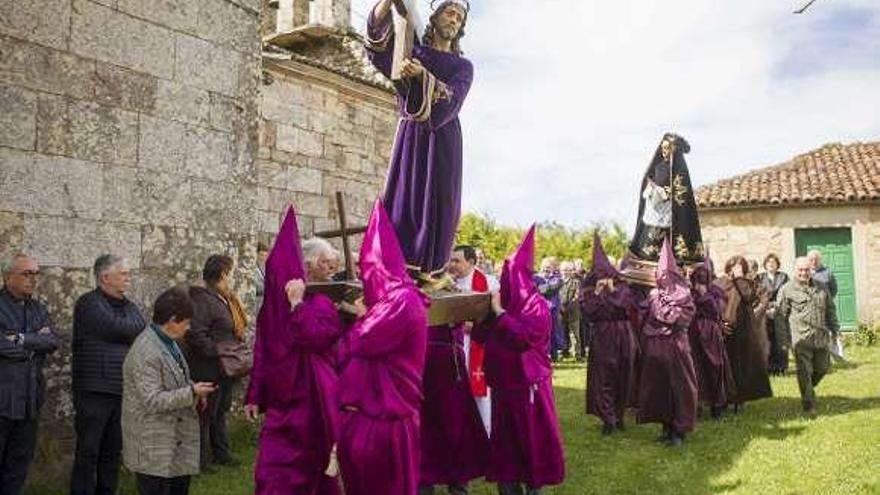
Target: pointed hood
(704, 273)
(602, 268)
(285, 262)
(382, 264)
(517, 282)
(670, 281)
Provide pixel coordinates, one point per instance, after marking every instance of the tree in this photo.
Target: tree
(553, 238)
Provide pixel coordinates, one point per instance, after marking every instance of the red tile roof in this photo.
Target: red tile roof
(833, 174)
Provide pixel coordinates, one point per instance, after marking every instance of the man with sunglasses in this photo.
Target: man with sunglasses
(26, 337)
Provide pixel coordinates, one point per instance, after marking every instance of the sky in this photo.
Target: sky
(570, 97)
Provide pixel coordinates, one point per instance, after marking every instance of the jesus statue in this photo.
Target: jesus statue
(423, 188)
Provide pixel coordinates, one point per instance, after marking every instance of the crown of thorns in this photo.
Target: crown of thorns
(465, 4)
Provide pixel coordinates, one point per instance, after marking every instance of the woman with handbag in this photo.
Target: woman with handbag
(216, 352)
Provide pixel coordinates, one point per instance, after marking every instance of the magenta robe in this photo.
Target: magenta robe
(455, 447)
(611, 369)
(294, 382)
(711, 364)
(526, 444)
(380, 387)
(423, 188)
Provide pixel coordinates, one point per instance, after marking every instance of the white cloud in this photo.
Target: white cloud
(571, 96)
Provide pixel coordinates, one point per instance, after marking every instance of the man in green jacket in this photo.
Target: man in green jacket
(813, 319)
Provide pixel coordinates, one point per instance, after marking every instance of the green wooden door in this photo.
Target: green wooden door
(837, 254)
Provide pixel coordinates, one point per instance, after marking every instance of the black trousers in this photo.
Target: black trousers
(18, 437)
(212, 423)
(98, 443)
(155, 485)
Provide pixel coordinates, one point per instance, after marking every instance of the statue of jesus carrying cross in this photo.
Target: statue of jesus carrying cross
(423, 188)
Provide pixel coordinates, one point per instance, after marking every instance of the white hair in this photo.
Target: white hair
(7, 266)
(316, 247)
(104, 263)
(802, 259)
(566, 265)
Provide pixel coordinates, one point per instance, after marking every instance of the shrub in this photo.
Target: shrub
(867, 334)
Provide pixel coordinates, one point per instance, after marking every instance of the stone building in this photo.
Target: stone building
(167, 131)
(827, 199)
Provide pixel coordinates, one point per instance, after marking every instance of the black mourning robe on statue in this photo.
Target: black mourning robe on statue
(687, 242)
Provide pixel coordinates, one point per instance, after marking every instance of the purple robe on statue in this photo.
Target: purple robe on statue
(455, 446)
(380, 382)
(526, 444)
(668, 385)
(611, 367)
(712, 366)
(423, 188)
(294, 379)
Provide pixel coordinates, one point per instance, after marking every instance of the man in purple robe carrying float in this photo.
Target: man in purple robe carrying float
(423, 188)
(294, 380)
(526, 450)
(380, 379)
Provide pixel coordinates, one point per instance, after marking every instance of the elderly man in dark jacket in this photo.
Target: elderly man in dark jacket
(105, 323)
(27, 337)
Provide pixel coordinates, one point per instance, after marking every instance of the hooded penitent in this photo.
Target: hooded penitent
(714, 375)
(667, 387)
(526, 446)
(294, 379)
(381, 372)
(518, 288)
(611, 371)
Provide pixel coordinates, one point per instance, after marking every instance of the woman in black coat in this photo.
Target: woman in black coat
(218, 318)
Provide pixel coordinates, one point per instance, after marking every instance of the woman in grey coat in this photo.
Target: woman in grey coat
(160, 425)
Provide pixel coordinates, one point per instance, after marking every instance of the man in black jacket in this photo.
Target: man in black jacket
(105, 324)
(26, 337)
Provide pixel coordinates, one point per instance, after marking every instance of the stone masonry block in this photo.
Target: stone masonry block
(306, 180)
(76, 243)
(182, 102)
(18, 118)
(229, 25)
(50, 185)
(44, 69)
(296, 140)
(11, 234)
(207, 66)
(113, 36)
(45, 22)
(140, 196)
(86, 130)
(162, 144)
(208, 153)
(120, 87)
(181, 15)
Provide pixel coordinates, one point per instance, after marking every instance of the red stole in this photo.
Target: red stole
(477, 352)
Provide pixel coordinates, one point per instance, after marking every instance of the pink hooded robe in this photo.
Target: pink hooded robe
(294, 378)
(526, 444)
(381, 367)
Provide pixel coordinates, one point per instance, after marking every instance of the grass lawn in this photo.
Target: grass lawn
(769, 448)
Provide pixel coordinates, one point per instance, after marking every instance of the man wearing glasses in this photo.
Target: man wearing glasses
(26, 337)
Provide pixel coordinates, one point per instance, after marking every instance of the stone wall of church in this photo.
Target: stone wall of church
(320, 133)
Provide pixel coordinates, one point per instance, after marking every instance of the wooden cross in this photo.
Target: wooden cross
(344, 232)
